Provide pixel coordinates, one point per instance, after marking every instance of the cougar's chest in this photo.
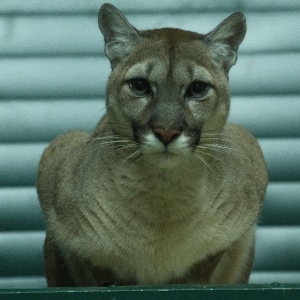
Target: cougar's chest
(149, 228)
(155, 235)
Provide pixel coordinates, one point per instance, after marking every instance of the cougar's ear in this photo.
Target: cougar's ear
(225, 39)
(119, 34)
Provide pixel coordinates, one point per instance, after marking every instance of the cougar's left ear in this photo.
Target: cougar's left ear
(225, 39)
(119, 34)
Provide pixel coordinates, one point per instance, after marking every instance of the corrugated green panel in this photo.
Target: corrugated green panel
(262, 74)
(20, 209)
(282, 158)
(266, 292)
(267, 116)
(53, 77)
(268, 277)
(277, 248)
(42, 120)
(79, 34)
(26, 282)
(19, 163)
(61, 35)
(21, 253)
(76, 6)
(282, 204)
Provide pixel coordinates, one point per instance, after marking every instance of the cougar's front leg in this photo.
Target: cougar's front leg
(70, 271)
(57, 273)
(236, 263)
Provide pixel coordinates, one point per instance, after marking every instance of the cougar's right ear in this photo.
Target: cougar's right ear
(119, 34)
(226, 38)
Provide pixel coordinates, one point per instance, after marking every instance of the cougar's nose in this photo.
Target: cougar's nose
(166, 136)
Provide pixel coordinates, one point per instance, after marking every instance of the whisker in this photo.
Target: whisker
(125, 147)
(114, 142)
(103, 146)
(222, 136)
(97, 113)
(112, 136)
(132, 155)
(203, 161)
(109, 144)
(211, 155)
(215, 132)
(224, 149)
(120, 125)
(127, 135)
(218, 138)
(105, 134)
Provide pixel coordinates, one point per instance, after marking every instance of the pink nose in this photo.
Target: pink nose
(166, 136)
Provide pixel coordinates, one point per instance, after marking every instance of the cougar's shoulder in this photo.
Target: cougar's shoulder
(247, 141)
(61, 150)
(252, 160)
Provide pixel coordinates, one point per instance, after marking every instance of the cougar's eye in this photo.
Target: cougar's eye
(140, 86)
(198, 89)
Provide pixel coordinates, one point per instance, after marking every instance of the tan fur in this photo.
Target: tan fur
(164, 191)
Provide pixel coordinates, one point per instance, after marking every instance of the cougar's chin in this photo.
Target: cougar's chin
(165, 155)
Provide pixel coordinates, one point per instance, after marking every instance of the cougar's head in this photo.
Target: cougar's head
(168, 86)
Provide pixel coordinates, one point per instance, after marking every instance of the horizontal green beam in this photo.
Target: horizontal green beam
(245, 292)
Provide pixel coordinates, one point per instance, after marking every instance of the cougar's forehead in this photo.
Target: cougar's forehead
(181, 72)
(187, 71)
(171, 54)
(152, 69)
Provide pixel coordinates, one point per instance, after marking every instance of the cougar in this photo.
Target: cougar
(164, 191)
